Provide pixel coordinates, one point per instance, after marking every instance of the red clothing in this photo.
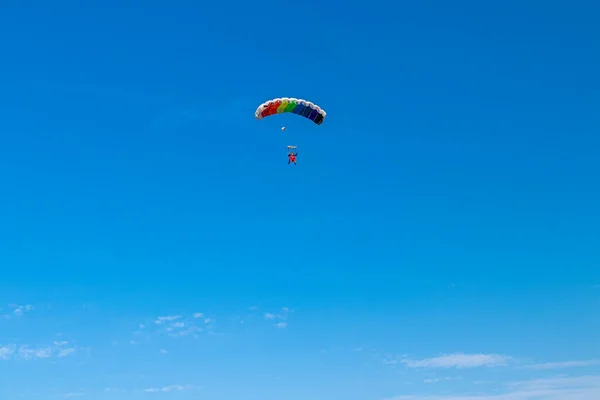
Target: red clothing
(292, 158)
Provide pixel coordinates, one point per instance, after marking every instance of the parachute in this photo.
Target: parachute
(291, 105)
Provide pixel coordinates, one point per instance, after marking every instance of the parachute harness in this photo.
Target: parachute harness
(291, 105)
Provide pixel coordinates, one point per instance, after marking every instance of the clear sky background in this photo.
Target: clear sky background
(439, 237)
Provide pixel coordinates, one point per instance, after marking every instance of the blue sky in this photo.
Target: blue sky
(438, 239)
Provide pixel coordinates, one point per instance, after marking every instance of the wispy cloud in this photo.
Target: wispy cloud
(560, 388)
(20, 310)
(16, 310)
(279, 319)
(174, 326)
(72, 394)
(563, 365)
(131, 391)
(457, 360)
(168, 318)
(195, 324)
(559, 382)
(464, 361)
(189, 331)
(171, 388)
(444, 379)
(27, 352)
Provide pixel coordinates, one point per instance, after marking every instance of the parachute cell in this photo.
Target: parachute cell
(291, 105)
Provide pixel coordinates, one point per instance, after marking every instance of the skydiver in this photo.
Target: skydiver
(292, 157)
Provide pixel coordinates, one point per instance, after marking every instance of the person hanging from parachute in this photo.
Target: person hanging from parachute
(292, 154)
(291, 105)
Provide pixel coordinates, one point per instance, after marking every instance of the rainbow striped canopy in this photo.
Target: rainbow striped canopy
(283, 105)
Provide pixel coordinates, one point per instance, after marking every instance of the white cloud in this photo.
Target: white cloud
(26, 352)
(65, 352)
(16, 310)
(280, 317)
(390, 360)
(457, 360)
(20, 310)
(564, 364)
(463, 361)
(559, 382)
(6, 352)
(186, 332)
(193, 324)
(171, 388)
(561, 388)
(174, 326)
(436, 380)
(167, 318)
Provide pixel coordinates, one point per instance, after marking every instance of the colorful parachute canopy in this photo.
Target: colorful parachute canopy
(282, 105)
